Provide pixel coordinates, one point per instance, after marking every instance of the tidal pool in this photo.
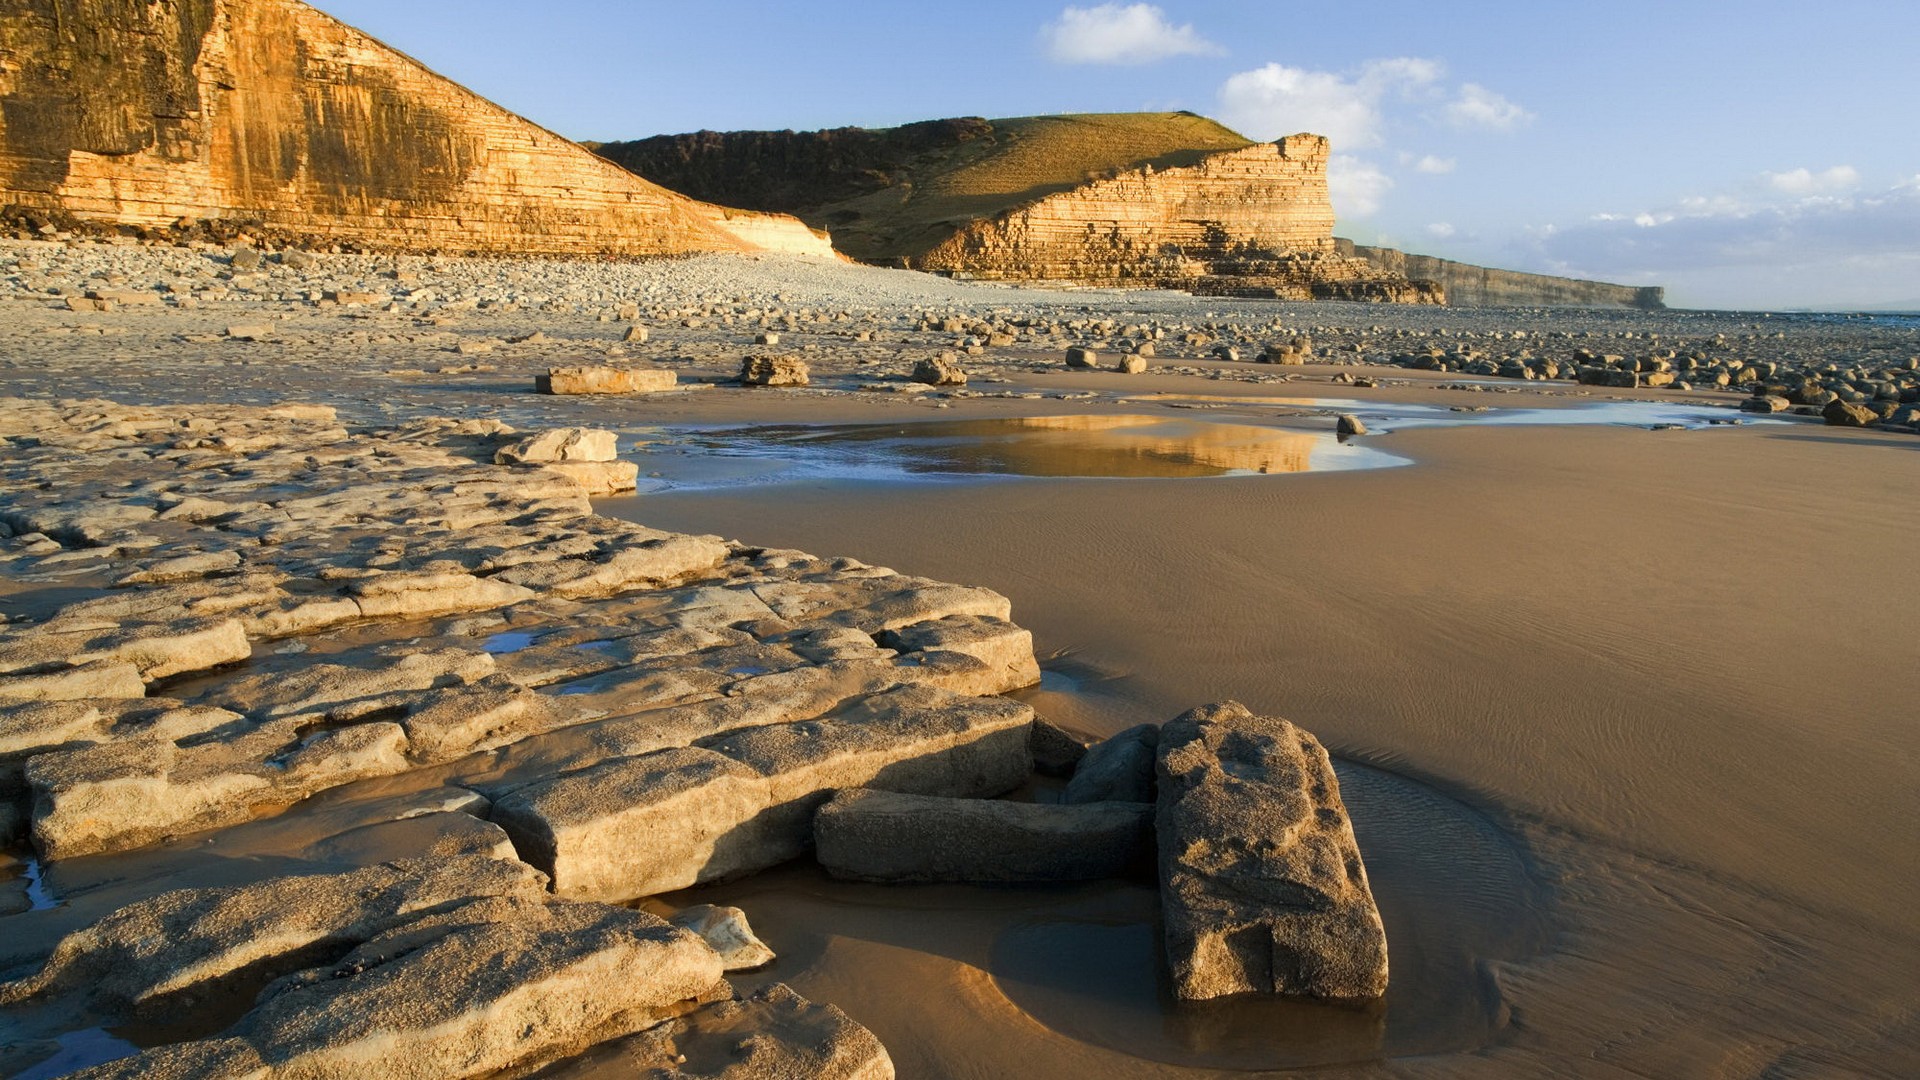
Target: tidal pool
(1093, 445)
(1050, 446)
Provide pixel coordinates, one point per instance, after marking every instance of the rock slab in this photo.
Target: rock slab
(889, 837)
(1262, 887)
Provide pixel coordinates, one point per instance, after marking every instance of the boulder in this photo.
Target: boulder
(605, 380)
(890, 837)
(939, 371)
(1132, 364)
(773, 371)
(1119, 769)
(1844, 414)
(1349, 424)
(1765, 403)
(1261, 883)
(1079, 357)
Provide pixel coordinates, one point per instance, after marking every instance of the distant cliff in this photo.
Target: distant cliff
(1148, 200)
(271, 115)
(1478, 286)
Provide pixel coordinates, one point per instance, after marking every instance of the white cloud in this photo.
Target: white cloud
(1277, 100)
(1807, 182)
(1356, 186)
(1121, 34)
(1357, 110)
(1441, 230)
(1478, 107)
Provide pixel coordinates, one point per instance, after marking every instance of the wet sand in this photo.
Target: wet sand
(1665, 663)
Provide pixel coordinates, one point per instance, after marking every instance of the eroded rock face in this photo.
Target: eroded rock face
(890, 837)
(269, 112)
(1262, 886)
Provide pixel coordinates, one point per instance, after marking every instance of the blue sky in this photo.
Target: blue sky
(1757, 154)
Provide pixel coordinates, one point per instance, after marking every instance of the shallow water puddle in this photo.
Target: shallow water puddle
(1045, 446)
(38, 894)
(80, 1050)
(1099, 446)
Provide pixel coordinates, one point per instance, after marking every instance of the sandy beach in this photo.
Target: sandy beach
(1623, 716)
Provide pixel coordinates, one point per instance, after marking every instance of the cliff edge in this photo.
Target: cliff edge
(270, 115)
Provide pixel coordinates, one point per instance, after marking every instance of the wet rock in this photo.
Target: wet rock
(774, 1034)
(1349, 424)
(890, 837)
(725, 930)
(1765, 403)
(1261, 882)
(1119, 769)
(773, 371)
(605, 380)
(1081, 357)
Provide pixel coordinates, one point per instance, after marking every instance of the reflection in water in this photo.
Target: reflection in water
(1050, 446)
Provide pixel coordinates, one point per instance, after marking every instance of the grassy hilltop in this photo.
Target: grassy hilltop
(888, 193)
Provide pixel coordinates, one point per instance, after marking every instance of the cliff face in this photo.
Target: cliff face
(894, 193)
(1249, 222)
(148, 113)
(1479, 286)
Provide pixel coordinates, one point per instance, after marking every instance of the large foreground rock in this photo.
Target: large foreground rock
(1261, 883)
(661, 821)
(889, 837)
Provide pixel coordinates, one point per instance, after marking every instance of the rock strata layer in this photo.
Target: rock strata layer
(1262, 886)
(267, 115)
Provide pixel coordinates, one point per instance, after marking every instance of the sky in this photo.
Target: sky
(1759, 155)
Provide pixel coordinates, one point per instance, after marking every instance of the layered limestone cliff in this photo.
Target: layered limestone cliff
(1250, 222)
(1479, 286)
(270, 115)
(1149, 200)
